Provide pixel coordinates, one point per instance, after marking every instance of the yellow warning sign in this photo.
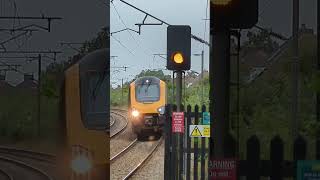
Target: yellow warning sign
(199, 130)
(196, 132)
(206, 131)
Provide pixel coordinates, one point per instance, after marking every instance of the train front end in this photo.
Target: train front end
(85, 118)
(147, 99)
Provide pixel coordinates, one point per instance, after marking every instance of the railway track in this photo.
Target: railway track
(124, 150)
(15, 162)
(22, 169)
(126, 163)
(39, 156)
(112, 120)
(5, 176)
(123, 140)
(118, 125)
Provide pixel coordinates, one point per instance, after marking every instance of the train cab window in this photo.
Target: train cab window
(147, 92)
(94, 100)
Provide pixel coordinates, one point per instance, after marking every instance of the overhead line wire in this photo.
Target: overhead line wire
(123, 45)
(122, 21)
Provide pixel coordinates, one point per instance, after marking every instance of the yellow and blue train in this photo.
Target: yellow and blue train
(147, 99)
(85, 116)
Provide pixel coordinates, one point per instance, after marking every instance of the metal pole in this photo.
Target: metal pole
(179, 90)
(219, 90)
(238, 93)
(121, 90)
(39, 95)
(202, 83)
(295, 67)
(318, 58)
(179, 138)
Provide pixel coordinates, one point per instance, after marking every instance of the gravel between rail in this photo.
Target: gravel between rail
(154, 168)
(122, 140)
(123, 165)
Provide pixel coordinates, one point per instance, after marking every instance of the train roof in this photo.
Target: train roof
(95, 59)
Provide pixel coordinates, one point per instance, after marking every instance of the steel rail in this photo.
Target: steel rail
(144, 161)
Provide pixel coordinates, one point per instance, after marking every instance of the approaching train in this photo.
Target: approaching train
(85, 116)
(147, 100)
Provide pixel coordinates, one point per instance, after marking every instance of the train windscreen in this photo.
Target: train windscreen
(97, 101)
(94, 89)
(147, 92)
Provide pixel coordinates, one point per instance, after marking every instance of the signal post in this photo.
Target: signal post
(225, 16)
(179, 60)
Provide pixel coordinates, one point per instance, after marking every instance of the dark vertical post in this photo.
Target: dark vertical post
(179, 90)
(181, 149)
(276, 157)
(168, 145)
(174, 154)
(295, 67)
(318, 57)
(39, 95)
(195, 144)
(202, 83)
(203, 149)
(219, 89)
(318, 149)
(253, 158)
(121, 91)
(238, 94)
(173, 88)
(178, 101)
(188, 166)
(299, 151)
(300, 148)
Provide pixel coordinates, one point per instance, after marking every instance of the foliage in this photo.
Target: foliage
(18, 116)
(157, 73)
(261, 40)
(265, 104)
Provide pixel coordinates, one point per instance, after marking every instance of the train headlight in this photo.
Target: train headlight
(161, 110)
(81, 160)
(81, 164)
(135, 113)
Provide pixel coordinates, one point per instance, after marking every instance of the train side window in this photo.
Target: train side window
(94, 100)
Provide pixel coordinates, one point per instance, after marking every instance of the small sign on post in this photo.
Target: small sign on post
(308, 170)
(199, 130)
(205, 118)
(223, 169)
(178, 122)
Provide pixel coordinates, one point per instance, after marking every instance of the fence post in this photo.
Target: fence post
(318, 149)
(203, 149)
(168, 149)
(195, 144)
(276, 156)
(299, 152)
(253, 158)
(230, 146)
(188, 168)
(181, 153)
(174, 143)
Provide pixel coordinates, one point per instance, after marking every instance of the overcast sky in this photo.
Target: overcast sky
(138, 54)
(138, 50)
(82, 20)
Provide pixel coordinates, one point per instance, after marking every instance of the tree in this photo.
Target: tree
(261, 40)
(157, 73)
